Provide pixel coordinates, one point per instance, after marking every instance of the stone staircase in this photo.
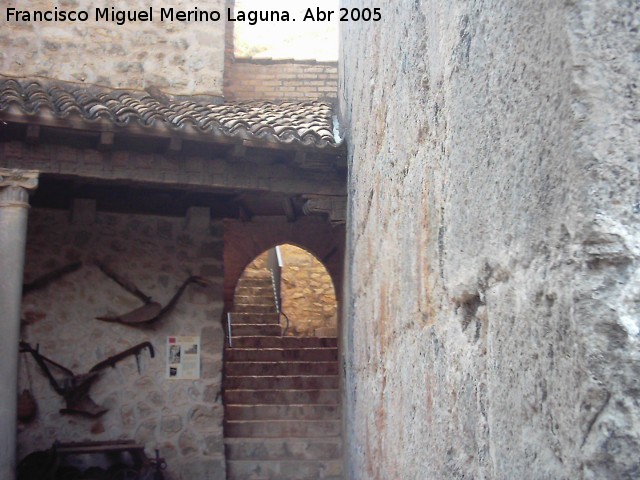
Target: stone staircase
(281, 394)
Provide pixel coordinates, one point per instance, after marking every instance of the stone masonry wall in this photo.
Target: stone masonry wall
(281, 80)
(493, 250)
(181, 418)
(308, 297)
(178, 57)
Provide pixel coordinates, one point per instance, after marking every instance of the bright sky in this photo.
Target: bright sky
(299, 40)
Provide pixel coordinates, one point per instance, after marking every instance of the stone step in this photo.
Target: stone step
(241, 300)
(281, 368)
(269, 317)
(240, 305)
(282, 428)
(284, 342)
(247, 309)
(282, 412)
(283, 448)
(255, 329)
(254, 291)
(262, 281)
(281, 397)
(284, 470)
(282, 382)
(239, 318)
(280, 354)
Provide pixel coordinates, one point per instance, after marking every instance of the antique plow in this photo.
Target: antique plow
(151, 311)
(75, 388)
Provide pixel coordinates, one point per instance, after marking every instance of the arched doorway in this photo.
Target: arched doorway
(281, 387)
(301, 290)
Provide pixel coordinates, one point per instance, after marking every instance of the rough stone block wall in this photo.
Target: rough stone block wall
(493, 260)
(178, 57)
(281, 80)
(181, 418)
(308, 297)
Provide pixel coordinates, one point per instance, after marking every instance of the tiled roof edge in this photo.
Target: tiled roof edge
(308, 124)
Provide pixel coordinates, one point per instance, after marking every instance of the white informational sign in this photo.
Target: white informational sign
(183, 358)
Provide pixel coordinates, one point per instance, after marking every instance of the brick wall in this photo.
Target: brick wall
(280, 80)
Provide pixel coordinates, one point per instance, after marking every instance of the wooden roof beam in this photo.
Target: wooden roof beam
(106, 141)
(289, 210)
(175, 145)
(33, 134)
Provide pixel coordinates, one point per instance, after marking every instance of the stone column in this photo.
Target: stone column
(14, 203)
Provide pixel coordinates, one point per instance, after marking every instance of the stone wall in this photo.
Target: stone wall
(281, 80)
(308, 297)
(181, 418)
(491, 322)
(178, 57)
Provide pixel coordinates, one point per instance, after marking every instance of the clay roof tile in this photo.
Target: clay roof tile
(305, 123)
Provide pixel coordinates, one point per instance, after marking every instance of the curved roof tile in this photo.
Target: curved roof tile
(304, 123)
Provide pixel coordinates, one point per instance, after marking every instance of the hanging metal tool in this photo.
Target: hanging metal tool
(75, 388)
(151, 311)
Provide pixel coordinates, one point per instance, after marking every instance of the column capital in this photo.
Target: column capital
(15, 186)
(12, 177)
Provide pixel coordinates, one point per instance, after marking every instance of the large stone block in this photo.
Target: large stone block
(492, 240)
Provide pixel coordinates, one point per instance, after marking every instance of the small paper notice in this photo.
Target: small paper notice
(183, 358)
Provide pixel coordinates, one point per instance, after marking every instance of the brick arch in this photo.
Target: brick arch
(244, 241)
